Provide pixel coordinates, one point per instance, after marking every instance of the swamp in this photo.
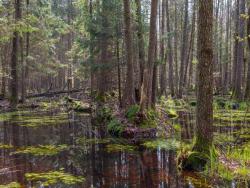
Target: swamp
(124, 93)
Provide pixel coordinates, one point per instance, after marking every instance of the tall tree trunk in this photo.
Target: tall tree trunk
(163, 70)
(236, 43)
(191, 48)
(170, 53)
(204, 120)
(103, 85)
(140, 39)
(183, 51)
(14, 59)
(3, 77)
(146, 91)
(118, 72)
(240, 51)
(129, 93)
(227, 51)
(247, 92)
(69, 42)
(176, 47)
(22, 70)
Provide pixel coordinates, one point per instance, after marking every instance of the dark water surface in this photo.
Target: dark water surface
(90, 153)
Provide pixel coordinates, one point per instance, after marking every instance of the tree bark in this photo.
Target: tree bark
(140, 39)
(129, 93)
(240, 52)
(170, 53)
(163, 70)
(191, 49)
(14, 59)
(204, 120)
(176, 48)
(146, 91)
(247, 92)
(183, 51)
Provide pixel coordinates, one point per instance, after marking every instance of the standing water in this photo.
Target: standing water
(56, 148)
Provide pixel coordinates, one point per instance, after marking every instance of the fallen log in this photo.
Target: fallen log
(51, 94)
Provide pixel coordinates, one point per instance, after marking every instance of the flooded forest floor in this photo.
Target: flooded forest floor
(57, 142)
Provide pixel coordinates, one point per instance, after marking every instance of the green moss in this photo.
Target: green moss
(11, 185)
(232, 165)
(4, 146)
(49, 104)
(224, 172)
(132, 111)
(115, 128)
(172, 114)
(37, 121)
(232, 115)
(151, 120)
(10, 115)
(42, 150)
(54, 177)
(240, 154)
(243, 173)
(223, 138)
(169, 144)
(170, 103)
(119, 147)
(177, 127)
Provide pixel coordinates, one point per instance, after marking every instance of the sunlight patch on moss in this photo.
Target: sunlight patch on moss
(232, 115)
(6, 116)
(222, 138)
(35, 121)
(42, 150)
(54, 177)
(11, 185)
(5, 146)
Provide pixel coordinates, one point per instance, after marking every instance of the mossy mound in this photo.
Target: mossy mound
(77, 105)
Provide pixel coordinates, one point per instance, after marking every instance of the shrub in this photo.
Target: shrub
(115, 128)
(132, 112)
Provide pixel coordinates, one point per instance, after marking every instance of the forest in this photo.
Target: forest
(124, 93)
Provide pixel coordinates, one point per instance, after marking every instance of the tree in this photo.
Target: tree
(140, 39)
(237, 92)
(163, 70)
(204, 120)
(170, 52)
(183, 51)
(146, 91)
(247, 92)
(129, 94)
(14, 58)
